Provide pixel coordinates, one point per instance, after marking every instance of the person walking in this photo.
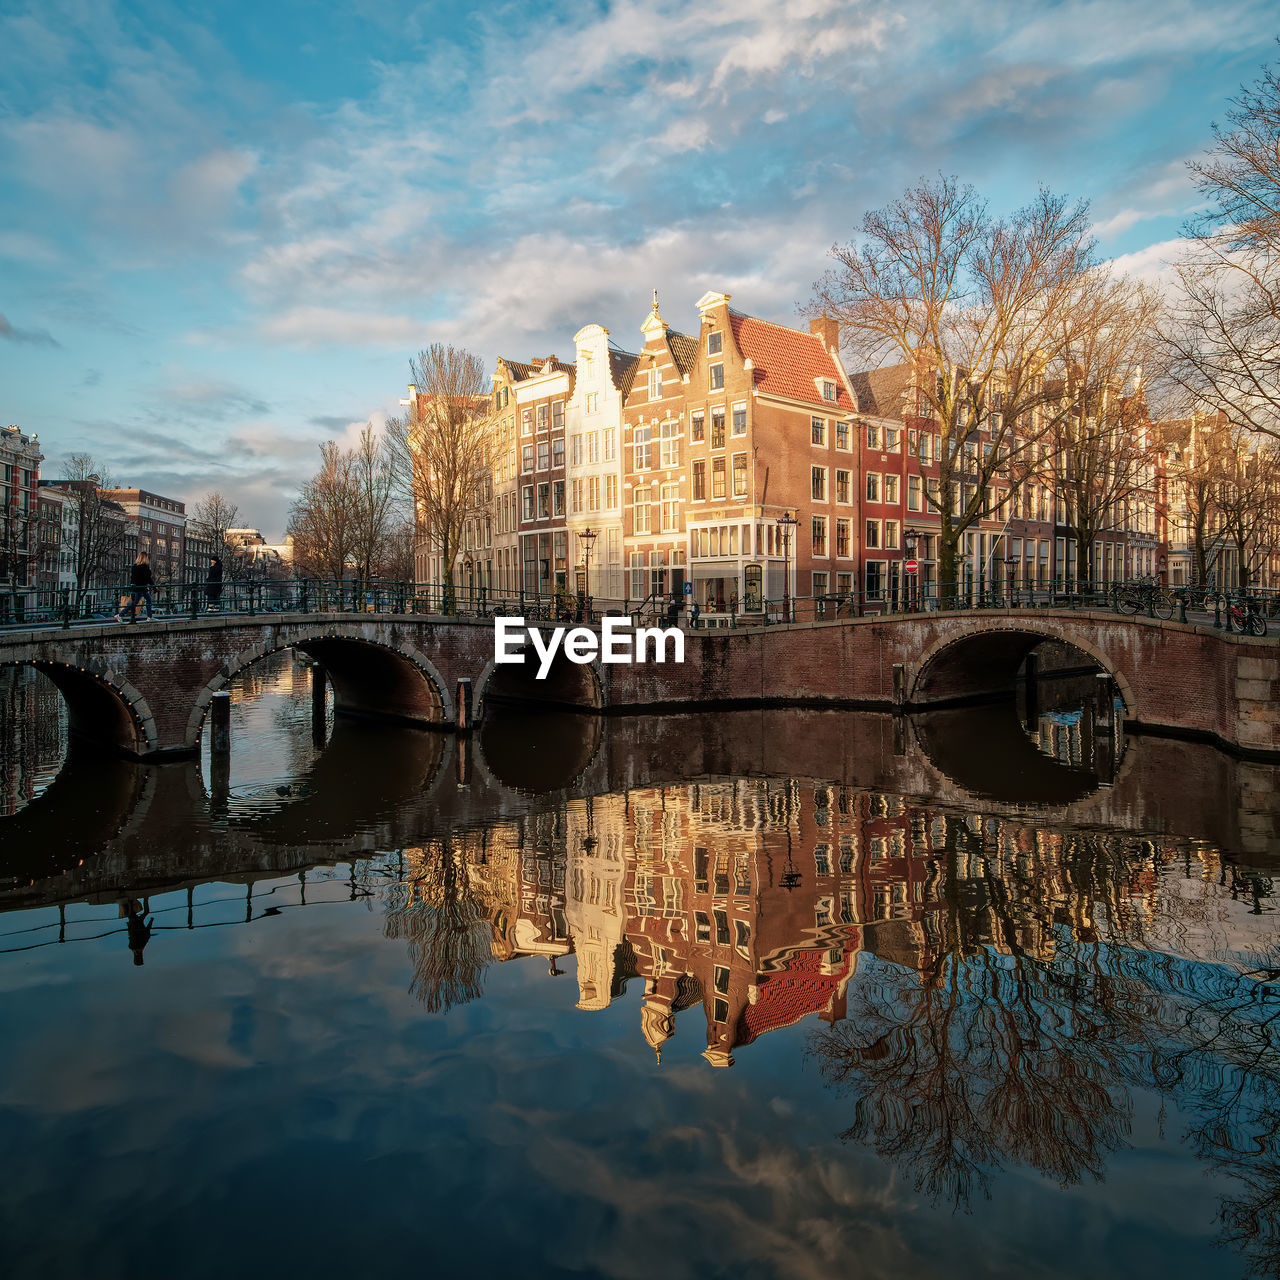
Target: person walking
(673, 610)
(213, 587)
(140, 584)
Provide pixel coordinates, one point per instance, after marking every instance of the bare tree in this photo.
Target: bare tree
(1100, 451)
(441, 449)
(1246, 493)
(100, 526)
(322, 518)
(212, 518)
(21, 530)
(976, 305)
(372, 477)
(1222, 344)
(394, 561)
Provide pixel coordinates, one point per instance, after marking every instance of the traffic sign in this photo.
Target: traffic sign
(688, 588)
(911, 566)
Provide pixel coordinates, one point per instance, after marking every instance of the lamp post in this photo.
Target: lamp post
(786, 522)
(588, 540)
(909, 539)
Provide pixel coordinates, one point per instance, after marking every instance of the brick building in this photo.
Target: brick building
(20, 548)
(159, 525)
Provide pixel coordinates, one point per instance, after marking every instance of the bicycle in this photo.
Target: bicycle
(1243, 616)
(1136, 597)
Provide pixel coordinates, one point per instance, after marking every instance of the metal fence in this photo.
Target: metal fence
(66, 606)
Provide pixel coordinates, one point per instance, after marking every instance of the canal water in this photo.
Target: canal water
(764, 994)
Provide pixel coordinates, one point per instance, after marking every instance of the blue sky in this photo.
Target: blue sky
(224, 228)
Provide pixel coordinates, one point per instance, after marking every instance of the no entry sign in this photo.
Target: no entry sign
(911, 566)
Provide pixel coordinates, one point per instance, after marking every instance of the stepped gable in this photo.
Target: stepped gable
(880, 392)
(786, 362)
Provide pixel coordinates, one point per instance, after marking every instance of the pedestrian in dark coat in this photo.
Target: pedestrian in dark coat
(213, 586)
(140, 584)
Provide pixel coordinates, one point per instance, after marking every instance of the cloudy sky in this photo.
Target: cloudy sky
(224, 228)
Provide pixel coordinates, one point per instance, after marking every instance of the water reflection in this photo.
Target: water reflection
(998, 969)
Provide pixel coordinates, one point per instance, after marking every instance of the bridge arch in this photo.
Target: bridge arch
(103, 708)
(985, 660)
(370, 677)
(579, 686)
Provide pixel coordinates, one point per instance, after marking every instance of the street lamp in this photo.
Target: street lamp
(588, 540)
(786, 522)
(909, 539)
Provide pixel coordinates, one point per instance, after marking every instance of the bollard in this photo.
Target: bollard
(220, 746)
(220, 722)
(318, 691)
(463, 702)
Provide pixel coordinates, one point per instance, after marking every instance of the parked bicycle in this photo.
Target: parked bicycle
(1243, 616)
(1144, 595)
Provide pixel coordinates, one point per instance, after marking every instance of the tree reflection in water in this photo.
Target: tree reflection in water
(436, 910)
(1035, 1017)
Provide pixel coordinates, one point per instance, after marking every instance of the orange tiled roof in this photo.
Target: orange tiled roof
(797, 991)
(787, 361)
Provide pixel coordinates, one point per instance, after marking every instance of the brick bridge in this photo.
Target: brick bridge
(144, 690)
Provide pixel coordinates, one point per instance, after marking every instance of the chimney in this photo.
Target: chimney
(828, 329)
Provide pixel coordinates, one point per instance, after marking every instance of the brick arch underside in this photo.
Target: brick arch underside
(986, 664)
(101, 710)
(369, 680)
(578, 686)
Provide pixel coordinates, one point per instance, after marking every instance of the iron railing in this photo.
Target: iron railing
(67, 606)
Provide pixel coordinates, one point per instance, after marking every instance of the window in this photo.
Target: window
(739, 475)
(715, 342)
(818, 483)
(873, 435)
(557, 452)
(875, 579)
(715, 376)
(844, 585)
(913, 493)
(671, 444)
(526, 422)
(544, 501)
(643, 453)
(611, 493)
(557, 498)
(640, 508)
(593, 493)
(575, 497)
(526, 458)
(891, 489)
(891, 535)
(557, 415)
(575, 449)
(739, 419)
(717, 477)
(842, 537)
(670, 507)
(873, 487)
(543, 417)
(842, 435)
(819, 535)
(610, 444)
(655, 383)
(818, 430)
(844, 486)
(828, 390)
(696, 424)
(717, 428)
(699, 481)
(593, 446)
(593, 401)
(820, 584)
(872, 540)
(544, 455)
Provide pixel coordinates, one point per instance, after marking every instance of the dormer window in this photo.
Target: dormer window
(828, 390)
(715, 342)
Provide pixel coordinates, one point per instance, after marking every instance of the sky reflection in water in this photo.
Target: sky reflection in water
(1045, 1042)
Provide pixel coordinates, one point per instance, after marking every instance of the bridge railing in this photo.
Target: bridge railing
(899, 594)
